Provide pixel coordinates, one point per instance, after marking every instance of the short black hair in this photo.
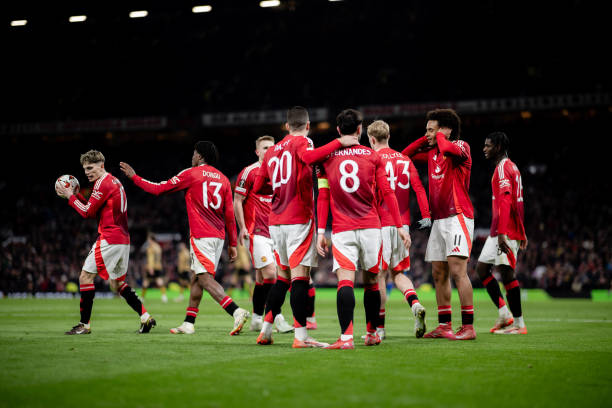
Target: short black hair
(447, 118)
(348, 120)
(208, 151)
(297, 117)
(501, 140)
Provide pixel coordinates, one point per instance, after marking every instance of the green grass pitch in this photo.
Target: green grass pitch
(564, 361)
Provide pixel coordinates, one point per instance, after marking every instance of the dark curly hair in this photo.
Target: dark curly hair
(447, 118)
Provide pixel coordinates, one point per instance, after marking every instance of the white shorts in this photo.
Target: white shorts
(294, 244)
(491, 254)
(450, 236)
(261, 250)
(205, 254)
(362, 247)
(394, 256)
(108, 260)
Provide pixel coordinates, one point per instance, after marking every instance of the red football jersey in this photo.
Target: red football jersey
(401, 174)
(256, 207)
(107, 203)
(354, 174)
(209, 200)
(449, 166)
(291, 179)
(507, 216)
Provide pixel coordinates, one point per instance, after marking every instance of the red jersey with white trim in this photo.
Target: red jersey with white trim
(507, 184)
(208, 197)
(256, 207)
(401, 174)
(107, 203)
(291, 179)
(354, 174)
(449, 165)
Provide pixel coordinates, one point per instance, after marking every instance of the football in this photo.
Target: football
(67, 180)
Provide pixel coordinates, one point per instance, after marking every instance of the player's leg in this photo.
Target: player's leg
(146, 320)
(382, 312)
(88, 292)
(259, 301)
(405, 285)
(274, 302)
(441, 278)
(160, 281)
(371, 304)
(216, 291)
(457, 266)
(484, 271)
(195, 297)
(513, 294)
(311, 321)
(345, 306)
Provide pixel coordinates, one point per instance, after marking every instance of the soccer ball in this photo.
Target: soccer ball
(67, 180)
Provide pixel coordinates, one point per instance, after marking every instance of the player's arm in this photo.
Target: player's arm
(262, 184)
(382, 184)
(309, 155)
(415, 150)
(176, 183)
(239, 212)
(504, 205)
(91, 207)
(421, 195)
(322, 215)
(449, 148)
(230, 221)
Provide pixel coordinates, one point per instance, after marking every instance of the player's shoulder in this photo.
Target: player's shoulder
(462, 144)
(249, 170)
(106, 182)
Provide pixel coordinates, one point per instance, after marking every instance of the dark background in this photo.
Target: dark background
(240, 57)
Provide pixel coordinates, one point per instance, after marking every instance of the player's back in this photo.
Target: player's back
(112, 216)
(351, 175)
(507, 179)
(398, 169)
(206, 197)
(291, 179)
(449, 182)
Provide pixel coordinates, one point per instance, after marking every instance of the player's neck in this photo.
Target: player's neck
(298, 132)
(499, 158)
(380, 146)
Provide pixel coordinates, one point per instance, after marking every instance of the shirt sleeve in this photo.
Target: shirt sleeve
(322, 202)
(419, 190)
(244, 184)
(179, 182)
(382, 184)
(230, 221)
(448, 148)
(262, 185)
(414, 150)
(96, 200)
(309, 155)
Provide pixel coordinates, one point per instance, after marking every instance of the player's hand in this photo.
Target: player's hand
(524, 244)
(445, 131)
(405, 237)
(242, 236)
(347, 141)
(322, 247)
(127, 169)
(64, 192)
(233, 253)
(424, 223)
(502, 243)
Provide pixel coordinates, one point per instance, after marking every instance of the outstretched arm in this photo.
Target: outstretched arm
(312, 156)
(176, 183)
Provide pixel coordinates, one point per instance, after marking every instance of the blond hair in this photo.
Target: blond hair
(92, 156)
(263, 139)
(379, 130)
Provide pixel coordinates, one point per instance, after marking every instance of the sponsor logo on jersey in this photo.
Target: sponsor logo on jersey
(265, 199)
(437, 176)
(97, 194)
(175, 180)
(504, 183)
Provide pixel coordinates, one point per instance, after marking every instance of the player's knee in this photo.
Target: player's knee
(86, 278)
(507, 274)
(482, 269)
